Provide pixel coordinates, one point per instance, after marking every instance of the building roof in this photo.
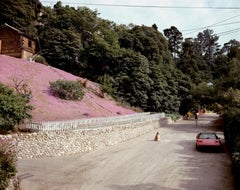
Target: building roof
(13, 28)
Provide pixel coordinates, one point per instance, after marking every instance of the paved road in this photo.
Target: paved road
(173, 163)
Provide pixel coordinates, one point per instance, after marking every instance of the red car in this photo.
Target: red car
(208, 140)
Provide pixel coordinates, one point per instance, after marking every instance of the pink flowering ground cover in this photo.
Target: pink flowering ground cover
(49, 108)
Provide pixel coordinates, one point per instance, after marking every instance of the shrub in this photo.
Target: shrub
(106, 84)
(7, 162)
(236, 168)
(68, 90)
(41, 59)
(14, 108)
(173, 116)
(21, 87)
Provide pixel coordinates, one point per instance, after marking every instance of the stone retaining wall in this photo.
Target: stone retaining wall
(90, 122)
(60, 142)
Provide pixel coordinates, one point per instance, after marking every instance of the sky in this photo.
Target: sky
(189, 16)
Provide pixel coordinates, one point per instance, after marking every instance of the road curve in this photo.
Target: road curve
(173, 163)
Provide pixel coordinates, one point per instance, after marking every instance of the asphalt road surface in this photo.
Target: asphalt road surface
(173, 163)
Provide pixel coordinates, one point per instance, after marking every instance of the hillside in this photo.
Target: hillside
(48, 107)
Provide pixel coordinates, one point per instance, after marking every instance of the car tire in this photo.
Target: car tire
(221, 149)
(197, 147)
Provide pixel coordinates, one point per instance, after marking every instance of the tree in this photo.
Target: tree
(208, 45)
(232, 79)
(184, 85)
(227, 46)
(147, 41)
(14, 108)
(227, 68)
(132, 82)
(62, 48)
(191, 63)
(158, 92)
(60, 39)
(63, 36)
(102, 52)
(175, 39)
(203, 94)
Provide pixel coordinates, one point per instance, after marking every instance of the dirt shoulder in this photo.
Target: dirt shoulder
(173, 163)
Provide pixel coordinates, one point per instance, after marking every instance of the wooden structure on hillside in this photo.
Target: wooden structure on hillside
(15, 43)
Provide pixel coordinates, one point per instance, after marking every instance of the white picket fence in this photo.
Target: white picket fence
(92, 122)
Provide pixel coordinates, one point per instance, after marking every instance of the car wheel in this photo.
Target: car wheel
(221, 149)
(197, 147)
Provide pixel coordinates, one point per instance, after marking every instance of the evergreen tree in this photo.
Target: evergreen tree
(175, 39)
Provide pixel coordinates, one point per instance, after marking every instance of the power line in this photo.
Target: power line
(228, 32)
(215, 24)
(212, 25)
(228, 23)
(205, 27)
(147, 6)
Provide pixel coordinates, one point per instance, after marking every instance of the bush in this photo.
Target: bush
(231, 118)
(232, 136)
(7, 162)
(173, 116)
(14, 108)
(41, 59)
(106, 85)
(236, 168)
(68, 90)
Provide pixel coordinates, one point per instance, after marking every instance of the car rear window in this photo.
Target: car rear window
(207, 136)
